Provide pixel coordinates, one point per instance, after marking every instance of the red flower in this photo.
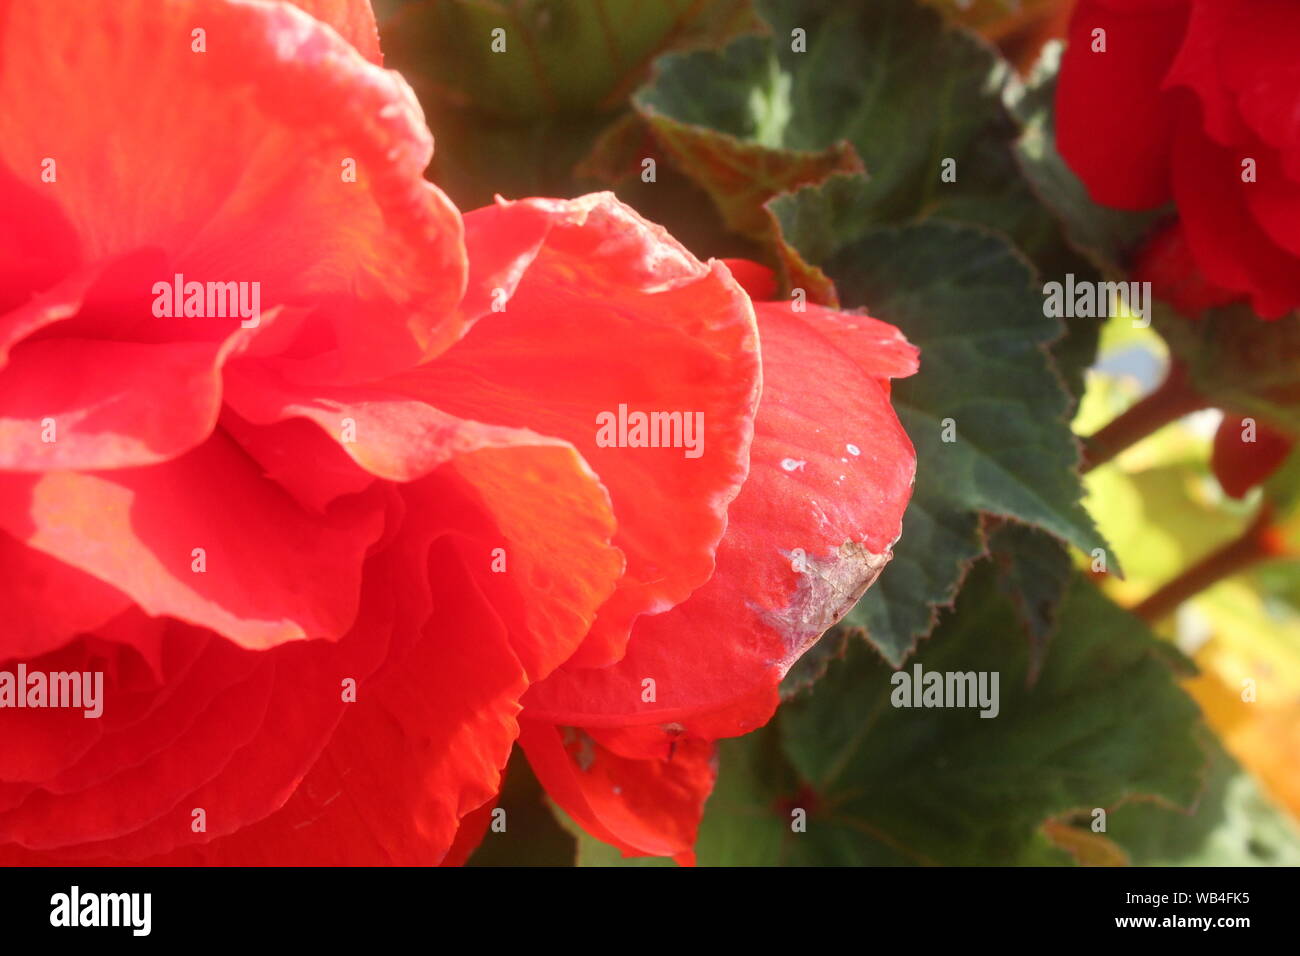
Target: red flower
(324, 541)
(1194, 101)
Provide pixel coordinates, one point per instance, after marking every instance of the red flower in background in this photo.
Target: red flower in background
(1195, 101)
(1240, 462)
(325, 554)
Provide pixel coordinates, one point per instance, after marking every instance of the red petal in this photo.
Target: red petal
(758, 280)
(877, 348)
(425, 742)
(194, 668)
(539, 507)
(1113, 123)
(1228, 244)
(610, 310)
(63, 404)
(645, 807)
(536, 544)
(1198, 67)
(1274, 201)
(273, 572)
(638, 776)
(54, 305)
(469, 835)
(1256, 49)
(305, 461)
(39, 743)
(423, 745)
(38, 246)
(138, 795)
(259, 722)
(831, 475)
(47, 601)
(273, 83)
(389, 434)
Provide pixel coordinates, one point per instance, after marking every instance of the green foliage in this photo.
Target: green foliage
(1102, 723)
(1235, 824)
(864, 70)
(517, 120)
(1034, 572)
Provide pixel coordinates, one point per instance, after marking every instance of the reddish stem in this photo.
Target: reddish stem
(1173, 399)
(1257, 543)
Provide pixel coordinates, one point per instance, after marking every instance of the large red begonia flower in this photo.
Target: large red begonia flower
(334, 557)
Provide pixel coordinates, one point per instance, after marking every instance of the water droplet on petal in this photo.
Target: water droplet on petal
(853, 449)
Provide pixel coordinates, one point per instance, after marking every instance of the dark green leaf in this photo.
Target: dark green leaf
(1234, 824)
(559, 56)
(516, 122)
(912, 95)
(1034, 571)
(1104, 722)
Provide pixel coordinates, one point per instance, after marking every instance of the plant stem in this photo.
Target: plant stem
(1257, 543)
(1173, 399)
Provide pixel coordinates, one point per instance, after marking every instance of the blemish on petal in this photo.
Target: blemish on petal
(825, 593)
(792, 464)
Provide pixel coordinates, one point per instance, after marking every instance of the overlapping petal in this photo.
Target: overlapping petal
(644, 806)
(203, 539)
(600, 309)
(1228, 243)
(315, 197)
(421, 744)
(831, 473)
